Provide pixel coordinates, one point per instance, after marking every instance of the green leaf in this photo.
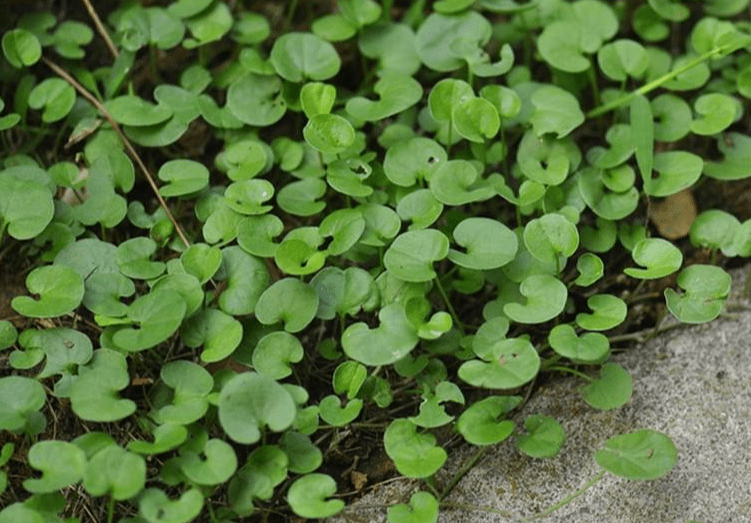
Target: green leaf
(133, 259)
(545, 299)
(256, 99)
(329, 133)
(623, 58)
(217, 331)
(202, 261)
(334, 414)
(116, 472)
(717, 112)
(191, 385)
(275, 352)
(672, 118)
(94, 396)
(301, 56)
(21, 48)
(307, 496)
(660, 257)
(167, 437)
(342, 292)
(19, 407)
(62, 464)
(479, 424)
(393, 339)
(543, 159)
(304, 456)
(265, 468)
(55, 96)
(641, 455)
(60, 290)
(26, 206)
(299, 198)
(455, 182)
(397, 92)
(439, 31)
(420, 207)
(247, 277)
(611, 391)
(678, 170)
(488, 243)
(317, 98)
(422, 507)
(556, 111)
(715, 229)
(290, 301)
(184, 177)
(137, 112)
(591, 347)
(8, 334)
(673, 11)
(560, 46)
(476, 119)
(551, 239)
(209, 25)
(609, 311)
(415, 454)
(155, 507)
(608, 205)
(545, 439)
(509, 364)
(248, 402)
(220, 463)
(393, 45)
(157, 316)
(412, 254)
(706, 290)
(334, 28)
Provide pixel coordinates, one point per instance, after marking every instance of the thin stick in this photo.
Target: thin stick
(96, 103)
(100, 27)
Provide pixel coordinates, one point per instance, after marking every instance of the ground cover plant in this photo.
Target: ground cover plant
(259, 256)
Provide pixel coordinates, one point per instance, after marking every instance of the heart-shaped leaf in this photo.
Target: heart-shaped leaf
(274, 353)
(415, 454)
(184, 177)
(545, 439)
(393, 339)
(55, 96)
(300, 56)
(511, 363)
(556, 111)
(551, 238)
(116, 472)
(545, 299)
(609, 311)
(329, 133)
(94, 395)
(591, 347)
(288, 300)
(191, 385)
(397, 92)
(479, 424)
(62, 464)
(591, 269)
(334, 414)
(422, 508)
(715, 229)
(156, 315)
(611, 391)
(438, 31)
(218, 466)
(489, 244)
(412, 254)
(26, 206)
(60, 290)
(21, 400)
(265, 468)
(155, 507)
(707, 288)
(660, 257)
(456, 182)
(307, 496)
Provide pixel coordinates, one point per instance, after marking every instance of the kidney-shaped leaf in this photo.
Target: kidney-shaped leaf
(397, 92)
(609, 311)
(611, 391)
(329, 133)
(250, 401)
(62, 464)
(545, 439)
(641, 455)
(415, 454)
(184, 177)
(591, 347)
(489, 244)
(217, 331)
(393, 339)
(301, 56)
(307, 496)
(479, 424)
(512, 363)
(707, 288)
(556, 111)
(274, 353)
(546, 298)
(115, 471)
(157, 316)
(60, 290)
(678, 170)
(660, 257)
(412, 254)
(422, 508)
(20, 400)
(288, 300)
(26, 206)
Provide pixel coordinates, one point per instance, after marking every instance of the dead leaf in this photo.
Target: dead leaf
(674, 215)
(358, 479)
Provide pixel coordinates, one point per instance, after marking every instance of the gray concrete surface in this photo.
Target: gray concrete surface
(691, 382)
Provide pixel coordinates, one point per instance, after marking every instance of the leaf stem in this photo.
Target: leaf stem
(463, 471)
(568, 499)
(448, 304)
(111, 510)
(654, 84)
(100, 28)
(570, 371)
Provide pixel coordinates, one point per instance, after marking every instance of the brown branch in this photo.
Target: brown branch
(131, 150)
(100, 27)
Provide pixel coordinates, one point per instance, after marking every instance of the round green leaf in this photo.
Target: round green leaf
(717, 111)
(706, 290)
(329, 133)
(256, 99)
(248, 402)
(157, 316)
(672, 117)
(60, 290)
(184, 177)
(392, 44)
(678, 170)
(559, 44)
(641, 455)
(591, 269)
(611, 391)
(56, 96)
(342, 292)
(623, 58)
(217, 331)
(609, 311)
(255, 234)
(155, 507)
(392, 340)
(455, 183)
(274, 353)
(556, 111)
(608, 205)
(94, 395)
(115, 471)
(20, 400)
(476, 119)
(715, 229)
(62, 464)
(660, 257)
(133, 259)
(511, 363)
(137, 112)
(422, 507)
(488, 243)
(415, 454)
(166, 437)
(304, 456)
(247, 277)
(545, 299)
(288, 300)
(220, 463)
(21, 48)
(334, 414)
(307, 496)
(420, 207)
(479, 424)
(265, 468)
(438, 31)
(26, 206)
(591, 347)
(412, 254)
(299, 198)
(397, 92)
(300, 56)
(543, 159)
(545, 439)
(551, 238)
(191, 384)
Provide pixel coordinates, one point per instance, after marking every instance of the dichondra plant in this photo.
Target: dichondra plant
(255, 231)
